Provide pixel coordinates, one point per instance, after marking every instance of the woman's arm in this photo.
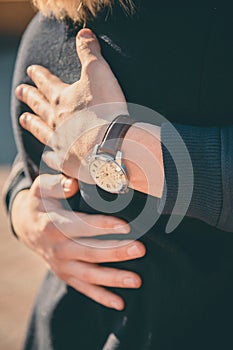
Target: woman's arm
(75, 263)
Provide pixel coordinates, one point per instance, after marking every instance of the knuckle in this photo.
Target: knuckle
(85, 275)
(106, 278)
(87, 101)
(88, 275)
(101, 299)
(102, 222)
(120, 254)
(53, 124)
(118, 280)
(36, 74)
(56, 98)
(72, 281)
(57, 251)
(35, 129)
(90, 66)
(107, 223)
(45, 225)
(44, 139)
(61, 275)
(88, 256)
(82, 45)
(52, 118)
(36, 183)
(57, 146)
(61, 115)
(113, 281)
(35, 104)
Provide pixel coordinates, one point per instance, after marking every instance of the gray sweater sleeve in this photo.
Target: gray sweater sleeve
(17, 181)
(24, 169)
(211, 154)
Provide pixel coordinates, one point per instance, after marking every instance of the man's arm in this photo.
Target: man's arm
(211, 153)
(209, 149)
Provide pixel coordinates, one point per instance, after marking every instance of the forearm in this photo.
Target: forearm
(16, 213)
(210, 151)
(143, 158)
(16, 183)
(14, 186)
(195, 160)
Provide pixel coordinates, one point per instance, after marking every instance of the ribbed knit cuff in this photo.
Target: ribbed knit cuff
(204, 148)
(226, 217)
(19, 183)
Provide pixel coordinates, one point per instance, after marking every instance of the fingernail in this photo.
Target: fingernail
(86, 34)
(29, 70)
(134, 251)
(22, 118)
(130, 282)
(66, 184)
(19, 91)
(115, 305)
(122, 228)
(25, 117)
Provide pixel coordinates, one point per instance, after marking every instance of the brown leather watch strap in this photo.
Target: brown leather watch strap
(115, 134)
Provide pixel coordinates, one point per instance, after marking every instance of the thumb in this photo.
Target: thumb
(54, 186)
(87, 45)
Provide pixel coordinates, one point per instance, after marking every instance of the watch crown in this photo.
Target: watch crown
(95, 150)
(118, 158)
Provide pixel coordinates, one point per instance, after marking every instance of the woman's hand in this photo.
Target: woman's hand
(41, 223)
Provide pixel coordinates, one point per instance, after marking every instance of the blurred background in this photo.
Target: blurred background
(21, 271)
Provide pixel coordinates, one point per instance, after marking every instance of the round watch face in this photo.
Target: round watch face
(108, 174)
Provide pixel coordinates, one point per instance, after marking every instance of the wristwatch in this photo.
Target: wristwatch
(105, 163)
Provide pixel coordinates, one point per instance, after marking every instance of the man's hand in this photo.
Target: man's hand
(54, 103)
(71, 133)
(40, 221)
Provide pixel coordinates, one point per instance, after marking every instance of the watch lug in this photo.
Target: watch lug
(118, 158)
(95, 150)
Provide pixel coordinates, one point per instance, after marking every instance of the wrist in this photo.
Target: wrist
(91, 130)
(16, 212)
(142, 153)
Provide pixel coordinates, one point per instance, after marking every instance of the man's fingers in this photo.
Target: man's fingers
(52, 160)
(54, 186)
(96, 251)
(35, 100)
(37, 127)
(49, 84)
(88, 47)
(98, 294)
